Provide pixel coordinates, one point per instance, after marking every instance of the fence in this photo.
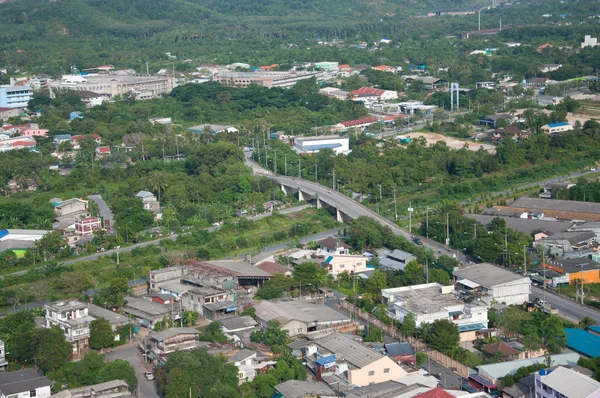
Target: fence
(417, 344)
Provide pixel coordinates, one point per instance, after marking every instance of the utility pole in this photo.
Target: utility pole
(524, 260)
(506, 261)
(299, 173)
(275, 164)
(285, 163)
(333, 180)
(316, 175)
(410, 210)
(427, 222)
(474, 231)
(447, 229)
(395, 206)
(479, 24)
(147, 68)
(380, 195)
(427, 269)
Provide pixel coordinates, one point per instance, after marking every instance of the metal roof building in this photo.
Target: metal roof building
(583, 342)
(497, 371)
(496, 283)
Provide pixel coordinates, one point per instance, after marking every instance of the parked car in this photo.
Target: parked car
(149, 375)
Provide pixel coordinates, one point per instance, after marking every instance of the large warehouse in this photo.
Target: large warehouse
(560, 209)
(493, 283)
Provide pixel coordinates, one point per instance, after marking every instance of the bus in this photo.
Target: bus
(482, 384)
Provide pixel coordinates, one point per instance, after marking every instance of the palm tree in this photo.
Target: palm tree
(586, 322)
(21, 181)
(157, 180)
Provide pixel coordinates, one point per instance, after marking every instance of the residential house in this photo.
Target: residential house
(589, 41)
(492, 120)
(395, 259)
(362, 366)
(357, 124)
(102, 151)
(162, 298)
(115, 319)
(371, 94)
(536, 82)
(567, 383)
(303, 389)
(202, 299)
(300, 317)
(159, 344)
(237, 327)
(69, 208)
(7, 113)
(90, 98)
(77, 139)
(16, 143)
(503, 351)
(24, 383)
(109, 389)
(73, 319)
(556, 128)
(400, 352)
(60, 138)
(245, 361)
(336, 264)
(147, 313)
(274, 268)
(34, 132)
(429, 82)
(87, 226)
(489, 283)
(432, 301)
(335, 246)
(569, 243)
(150, 203)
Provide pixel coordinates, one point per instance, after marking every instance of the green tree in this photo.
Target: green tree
(444, 335)
(118, 369)
(373, 334)
(421, 358)
(409, 325)
(101, 334)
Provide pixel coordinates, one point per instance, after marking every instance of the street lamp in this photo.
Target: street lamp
(380, 195)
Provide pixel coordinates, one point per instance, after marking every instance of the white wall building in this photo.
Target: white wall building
(565, 383)
(339, 145)
(589, 41)
(24, 383)
(73, 319)
(493, 283)
(432, 301)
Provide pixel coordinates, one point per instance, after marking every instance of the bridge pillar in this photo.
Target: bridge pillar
(285, 190)
(300, 196)
(319, 204)
(338, 215)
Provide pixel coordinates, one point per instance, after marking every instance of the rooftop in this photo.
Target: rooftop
(573, 237)
(238, 322)
(574, 265)
(488, 275)
(558, 124)
(285, 311)
(273, 268)
(238, 267)
(112, 317)
(172, 332)
(347, 349)
(501, 369)
(241, 355)
(584, 342)
(557, 205)
(62, 306)
(174, 287)
(332, 243)
(420, 299)
(522, 387)
(502, 348)
(146, 306)
(21, 380)
(398, 348)
(522, 224)
(571, 383)
(300, 389)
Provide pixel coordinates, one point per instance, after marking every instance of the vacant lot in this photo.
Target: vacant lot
(453, 143)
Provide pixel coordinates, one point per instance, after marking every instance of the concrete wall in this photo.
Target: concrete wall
(362, 377)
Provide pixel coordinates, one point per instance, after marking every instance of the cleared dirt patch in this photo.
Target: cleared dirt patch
(453, 143)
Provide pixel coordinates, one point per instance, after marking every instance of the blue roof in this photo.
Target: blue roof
(321, 146)
(63, 136)
(470, 327)
(559, 124)
(326, 360)
(595, 328)
(397, 348)
(329, 259)
(584, 342)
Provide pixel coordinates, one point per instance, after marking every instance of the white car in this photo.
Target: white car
(149, 375)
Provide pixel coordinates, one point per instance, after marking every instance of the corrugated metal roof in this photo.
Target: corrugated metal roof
(584, 342)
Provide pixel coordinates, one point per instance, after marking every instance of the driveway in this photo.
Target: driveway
(105, 212)
(132, 354)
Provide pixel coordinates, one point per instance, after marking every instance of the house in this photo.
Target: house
(90, 98)
(333, 92)
(34, 132)
(16, 143)
(492, 283)
(202, 299)
(245, 361)
(310, 145)
(400, 352)
(545, 68)
(170, 340)
(384, 68)
(115, 319)
(24, 383)
(102, 151)
(336, 264)
(73, 319)
(147, 313)
(163, 298)
(536, 82)
(274, 268)
(60, 138)
(77, 139)
(150, 203)
(87, 226)
(238, 324)
(544, 46)
(432, 301)
(109, 389)
(502, 350)
(299, 317)
(496, 371)
(429, 82)
(357, 124)
(212, 128)
(563, 382)
(69, 208)
(7, 113)
(589, 41)
(568, 243)
(395, 259)
(332, 245)
(362, 365)
(523, 388)
(555, 128)
(303, 389)
(374, 94)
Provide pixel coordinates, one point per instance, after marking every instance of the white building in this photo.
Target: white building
(555, 128)
(550, 67)
(565, 383)
(493, 283)
(589, 41)
(432, 301)
(246, 362)
(3, 362)
(15, 96)
(24, 383)
(339, 145)
(73, 319)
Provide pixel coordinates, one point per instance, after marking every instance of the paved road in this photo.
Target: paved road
(566, 306)
(131, 353)
(105, 212)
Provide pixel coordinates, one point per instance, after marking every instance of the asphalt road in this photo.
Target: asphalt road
(105, 211)
(566, 306)
(132, 354)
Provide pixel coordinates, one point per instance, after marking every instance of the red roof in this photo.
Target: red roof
(435, 393)
(78, 137)
(273, 268)
(359, 121)
(344, 66)
(23, 143)
(368, 91)
(382, 67)
(104, 149)
(6, 109)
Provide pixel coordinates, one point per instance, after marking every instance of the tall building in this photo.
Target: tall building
(15, 96)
